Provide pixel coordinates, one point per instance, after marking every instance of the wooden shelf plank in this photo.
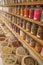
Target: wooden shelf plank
(20, 4)
(28, 33)
(23, 41)
(27, 19)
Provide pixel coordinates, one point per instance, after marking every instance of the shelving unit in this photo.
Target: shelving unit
(20, 4)
(35, 54)
(23, 41)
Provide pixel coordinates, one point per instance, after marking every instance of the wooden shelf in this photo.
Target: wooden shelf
(23, 4)
(28, 33)
(27, 19)
(23, 41)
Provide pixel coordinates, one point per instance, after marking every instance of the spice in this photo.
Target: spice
(37, 13)
(28, 26)
(18, 21)
(38, 47)
(26, 11)
(31, 12)
(40, 32)
(32, 42)
(24, 36)
(34, 29)
(18, 10)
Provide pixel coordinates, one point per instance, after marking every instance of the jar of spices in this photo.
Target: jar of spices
(16, 1)
(18, 21)
(15, 10)
(37, 13)
(38, 47)
(24, 24)
(26, 11)
(31, 12)
(24, 36)
(28, 26)
(15, 20)
(19, 1)
(34, 29)
(42, 52)
(18, 10)
(42, 16)
(22, 11)
(27, 38)
(21, 24)
(40, 32)
(32, 42)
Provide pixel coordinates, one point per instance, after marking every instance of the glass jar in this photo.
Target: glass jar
(22, 11)
(19, 1)
(42, 16)
(40, 32)
(16, 1)
(18, 10)
(18, 21)
(21, 24)
(37, 13)
(31, 12)
(27, 38)
(42, 52)
(34, 29)
(32, 42)
(28, 26)
(24, 36)
(26, 11)
(38, 47)
(24, 24)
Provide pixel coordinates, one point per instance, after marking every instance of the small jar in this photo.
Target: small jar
(16, 1)
(42, 16)
(18, 31)
(38, 47)
(31, 12)
(22, 11)
(40, 32)
(37, 13)
(28, 26)
(42, 52)
(26, 11)
(34, 29)
(32, 42)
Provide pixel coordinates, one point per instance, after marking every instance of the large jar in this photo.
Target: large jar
(31, 12)
(34, 29)
(32, 42)
(26, 11)
(42, 52)
(22, 11)
(42, 16)
(38, 47)
(28, 26)
(37, 13)
(40, 32)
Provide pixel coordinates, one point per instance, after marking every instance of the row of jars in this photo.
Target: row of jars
(32, 12)
(29, 40)
(17, 1)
